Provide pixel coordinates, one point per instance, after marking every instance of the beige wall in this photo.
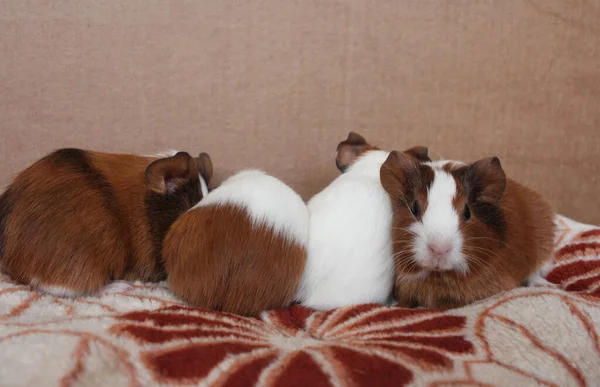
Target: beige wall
(277, 84)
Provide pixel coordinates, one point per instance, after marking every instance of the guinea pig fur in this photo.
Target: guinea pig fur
(76, 220)
(349, 251)
(462, 232)
(242, 249)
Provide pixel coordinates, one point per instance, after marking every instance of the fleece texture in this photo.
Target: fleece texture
(141, 335)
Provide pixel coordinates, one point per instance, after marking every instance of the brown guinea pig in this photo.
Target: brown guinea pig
(463, 232)
(76, 220)
(242, 249)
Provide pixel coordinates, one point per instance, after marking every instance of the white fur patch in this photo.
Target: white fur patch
(538, 279)
(116, 287)
(268, 201)
(439, 224)
(440, 164)
(164, 154)
(203, 186)
(350, 250)
(57, 291)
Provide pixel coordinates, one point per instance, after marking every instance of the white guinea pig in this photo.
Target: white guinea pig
(350, 259)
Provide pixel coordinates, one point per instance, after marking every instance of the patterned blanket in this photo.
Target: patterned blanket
(142, 336)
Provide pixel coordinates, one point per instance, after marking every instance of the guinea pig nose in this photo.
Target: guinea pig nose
(439, 248)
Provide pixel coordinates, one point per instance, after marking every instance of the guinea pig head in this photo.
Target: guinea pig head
(174, 185)
(179, 173)
(446, 215)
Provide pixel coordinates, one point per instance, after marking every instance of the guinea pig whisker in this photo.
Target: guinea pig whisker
(407, 239)
(470, 260)
(479, 269)
(406, 230)
(483, 264)
(402, 229)
(477, 263)
(401, 265)
(413, 266)
(401, 242)
(484, 250)
(407, 266)
(468, 226)
(403, 256)
(475, 238)
(403, 260)
(407, 242)
(487, 238)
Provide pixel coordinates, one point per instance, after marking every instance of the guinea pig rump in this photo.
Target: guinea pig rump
(231, 264)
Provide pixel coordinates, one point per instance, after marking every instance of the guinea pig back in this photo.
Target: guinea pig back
(76, 219)
(242, 249)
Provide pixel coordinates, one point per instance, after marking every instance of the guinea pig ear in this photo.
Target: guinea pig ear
(349, 150)
(167, 174)
(399, 175)
(205, 167)
(485, 180)
(420, 153)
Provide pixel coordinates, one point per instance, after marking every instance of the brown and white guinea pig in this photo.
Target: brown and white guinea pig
(463, 232)
(242, 249)
(76, 220)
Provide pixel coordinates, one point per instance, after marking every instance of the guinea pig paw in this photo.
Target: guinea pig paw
(537, 281)
(117, 287)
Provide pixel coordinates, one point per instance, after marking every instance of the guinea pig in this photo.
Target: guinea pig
(463, 232)
(242, 249)
(76, 220)
(349, 246)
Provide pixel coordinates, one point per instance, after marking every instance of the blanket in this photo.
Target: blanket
(142, 335)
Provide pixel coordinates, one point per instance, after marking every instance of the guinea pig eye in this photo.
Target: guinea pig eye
(467, 212)
(415, 209)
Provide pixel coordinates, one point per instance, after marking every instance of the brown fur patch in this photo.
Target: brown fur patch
(418, 152)
(217, 259)
(6, 204)
(77, 219)
(407, 181)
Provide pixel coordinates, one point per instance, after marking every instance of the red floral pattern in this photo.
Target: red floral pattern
(364, 344)
(577, 263)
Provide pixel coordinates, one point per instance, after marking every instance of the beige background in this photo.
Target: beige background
(277, 84)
